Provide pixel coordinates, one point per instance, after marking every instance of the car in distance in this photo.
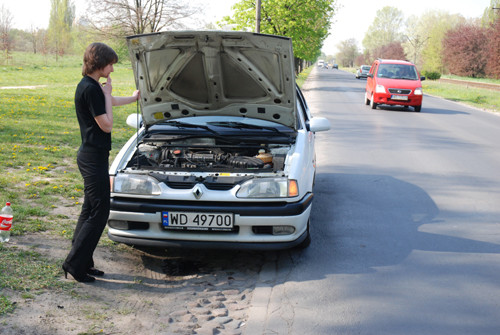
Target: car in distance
(362, 71)
(394, 82)
(223, 156)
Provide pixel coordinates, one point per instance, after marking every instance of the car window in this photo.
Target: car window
(397, 71)
(303, 105)
(366, 68)
(302, 109)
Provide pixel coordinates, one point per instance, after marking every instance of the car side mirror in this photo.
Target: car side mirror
(319, 124)
(422, 78)
(134, 121)
(370, 75)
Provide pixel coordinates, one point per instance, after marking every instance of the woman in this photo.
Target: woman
(93, 104)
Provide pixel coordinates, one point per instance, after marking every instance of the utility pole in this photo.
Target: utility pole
(257, 16)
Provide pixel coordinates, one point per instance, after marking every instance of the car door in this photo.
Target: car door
(309, 151)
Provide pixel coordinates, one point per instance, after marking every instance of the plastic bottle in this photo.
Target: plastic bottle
(6, 216)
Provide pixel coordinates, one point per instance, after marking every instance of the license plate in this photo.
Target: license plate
(198, 221)
(399, 97)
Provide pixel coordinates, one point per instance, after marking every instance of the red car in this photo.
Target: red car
(394, 82)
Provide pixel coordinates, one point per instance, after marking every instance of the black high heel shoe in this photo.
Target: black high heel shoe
(82, 279)
(95, 272)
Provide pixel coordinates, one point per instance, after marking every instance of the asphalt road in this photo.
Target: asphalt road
(405, 223)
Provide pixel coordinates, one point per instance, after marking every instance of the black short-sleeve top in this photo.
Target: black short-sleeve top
(89, 103)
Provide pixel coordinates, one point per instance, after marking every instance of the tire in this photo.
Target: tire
(372, 104)
(417, 108)
(367, 101)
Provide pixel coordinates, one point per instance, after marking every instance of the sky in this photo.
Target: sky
(351, 20)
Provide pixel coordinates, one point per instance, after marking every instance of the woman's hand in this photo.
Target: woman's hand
(107, 88)
(136, 94)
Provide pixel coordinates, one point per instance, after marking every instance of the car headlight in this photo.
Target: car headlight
(380, 89)
(418, 91)
(135, 184)
(268, 188)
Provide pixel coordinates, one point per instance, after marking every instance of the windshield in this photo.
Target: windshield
(397, 71)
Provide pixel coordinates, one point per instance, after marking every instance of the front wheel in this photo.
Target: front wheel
(372, 104)
(417, 108)
(367, 101)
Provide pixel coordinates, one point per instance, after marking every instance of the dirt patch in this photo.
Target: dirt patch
(174, 291)
(467, 84)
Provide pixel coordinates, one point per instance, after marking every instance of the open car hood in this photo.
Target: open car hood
(200, 73)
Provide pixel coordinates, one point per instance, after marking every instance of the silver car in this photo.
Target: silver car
(224, 154)
(363, 71)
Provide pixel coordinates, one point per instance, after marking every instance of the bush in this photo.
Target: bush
(432, 75)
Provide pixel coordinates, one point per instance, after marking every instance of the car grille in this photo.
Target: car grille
(190, 185)
(399, 91)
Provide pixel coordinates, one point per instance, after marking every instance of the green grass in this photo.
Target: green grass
(301, 78)
(476, 97)
(28, 272)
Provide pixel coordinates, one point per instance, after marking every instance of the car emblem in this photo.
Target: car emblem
(197, 192)
(399, 91)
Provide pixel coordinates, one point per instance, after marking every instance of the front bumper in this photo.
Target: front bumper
(386, 99)
(157, 243)
(253, 222)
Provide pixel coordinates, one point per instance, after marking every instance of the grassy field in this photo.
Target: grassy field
(477, 97)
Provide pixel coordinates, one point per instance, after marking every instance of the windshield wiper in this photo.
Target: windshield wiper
(240, 125)
(190, 125)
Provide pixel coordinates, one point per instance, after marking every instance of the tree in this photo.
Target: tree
(385, 29)
(491, 14)
(306, 22)
(434, 25)
(5, 26)
(120, 18)
(62, 14)
(348, 52)
(465, 50)
(34, 38)
(363, 59)
(493, 61)
(392, 50)
(415, 40)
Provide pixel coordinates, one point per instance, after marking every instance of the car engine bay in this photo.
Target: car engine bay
(206, 154)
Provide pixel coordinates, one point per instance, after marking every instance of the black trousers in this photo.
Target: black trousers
(95, 211)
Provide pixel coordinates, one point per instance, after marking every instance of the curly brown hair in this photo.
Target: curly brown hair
(97, 56)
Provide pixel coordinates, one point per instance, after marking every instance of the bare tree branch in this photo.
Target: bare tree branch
(120, 18)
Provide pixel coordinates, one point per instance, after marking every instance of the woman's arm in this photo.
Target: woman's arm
(119, 101)
(105, 121)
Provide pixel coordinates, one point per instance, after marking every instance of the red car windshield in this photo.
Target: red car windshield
(397, 71)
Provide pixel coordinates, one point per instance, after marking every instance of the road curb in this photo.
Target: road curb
(261, 298)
